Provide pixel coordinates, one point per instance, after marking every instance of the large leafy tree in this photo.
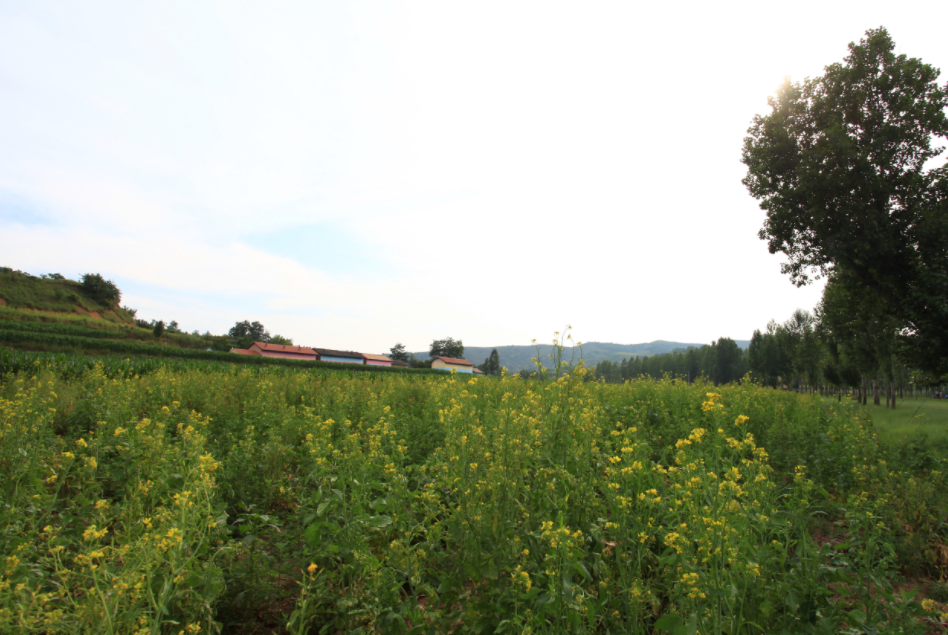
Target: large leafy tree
(398, 352)
(448, 347)
(254, 331)
(842, 167)
(98, 288)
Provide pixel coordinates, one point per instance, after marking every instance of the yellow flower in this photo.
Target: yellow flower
(311, 568)
(928, 604)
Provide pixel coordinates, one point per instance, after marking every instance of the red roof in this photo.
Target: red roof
(284, 348)
(452, 360)
(244, 351)
(478, 371)
(377, 358)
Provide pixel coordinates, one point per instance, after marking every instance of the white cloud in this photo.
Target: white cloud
(514, 167)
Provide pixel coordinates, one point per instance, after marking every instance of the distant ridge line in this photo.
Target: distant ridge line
(516, 357)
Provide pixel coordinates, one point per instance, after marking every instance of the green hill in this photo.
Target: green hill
(516, 358)
(21, 290)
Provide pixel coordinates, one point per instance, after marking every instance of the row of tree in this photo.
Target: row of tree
(722, 362)
(846, 345)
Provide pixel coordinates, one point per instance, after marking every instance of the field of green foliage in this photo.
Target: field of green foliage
(204, 499)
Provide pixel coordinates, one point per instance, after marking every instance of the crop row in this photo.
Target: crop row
(21, 337)
(70, 329)
(71, 365)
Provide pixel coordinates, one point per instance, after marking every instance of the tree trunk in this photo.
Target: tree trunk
(875, 391)
(893, 391)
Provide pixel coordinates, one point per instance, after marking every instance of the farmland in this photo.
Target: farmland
(915, 417)
(201, 498)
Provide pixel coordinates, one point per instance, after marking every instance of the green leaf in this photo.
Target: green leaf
(379, 521)
(581, 570)
(311, 534)
(667, 622)
(692, 626)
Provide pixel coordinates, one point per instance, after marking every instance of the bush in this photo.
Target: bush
(99, 289)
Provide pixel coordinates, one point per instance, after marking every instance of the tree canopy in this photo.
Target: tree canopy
(491, 365)
(841, 166)
(254, 330)
(98, 288)
(448, 347)
(398, 352)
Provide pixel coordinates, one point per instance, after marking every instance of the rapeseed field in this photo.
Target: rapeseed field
(278, 500)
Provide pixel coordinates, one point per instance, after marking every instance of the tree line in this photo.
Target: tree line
(722, 362)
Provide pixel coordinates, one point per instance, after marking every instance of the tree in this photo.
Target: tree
(728, 361)
(99, 289)
(398, 352)
(159, 329)
(448, 347)
(839, 167)
(491, 365)
(856, 321)
(173, 326)
(279, 339)
(414, 362)
(254, 330)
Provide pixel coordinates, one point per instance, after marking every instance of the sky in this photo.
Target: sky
(356, 174)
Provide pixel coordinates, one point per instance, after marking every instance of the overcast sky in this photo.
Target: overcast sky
(354, 174)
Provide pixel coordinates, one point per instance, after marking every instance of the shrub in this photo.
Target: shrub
(99, 289)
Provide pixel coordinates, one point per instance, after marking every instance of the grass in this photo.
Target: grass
(23, 291)
(910, 419)
(110, 324)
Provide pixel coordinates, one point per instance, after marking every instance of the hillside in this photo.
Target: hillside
(21, 290)
(516, 358)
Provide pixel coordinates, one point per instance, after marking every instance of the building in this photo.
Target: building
(451, 363)
(283, 350)
(377, 360)
(478, 371)
(399, 363)
(243, 351)
(342, 357)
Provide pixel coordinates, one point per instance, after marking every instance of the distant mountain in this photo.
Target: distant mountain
(517, 358)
